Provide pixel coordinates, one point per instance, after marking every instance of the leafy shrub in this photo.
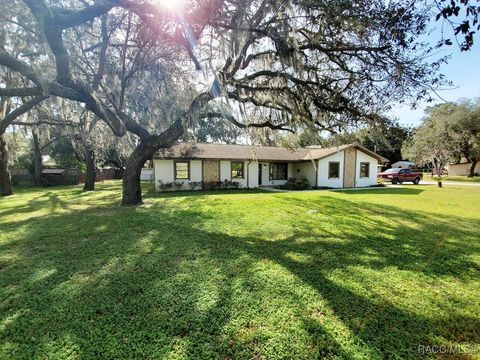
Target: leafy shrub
(177, 185)
(199, 185)
(196, 185)
(165, 185)
(439, 179)
(297, 184)
(228, 184)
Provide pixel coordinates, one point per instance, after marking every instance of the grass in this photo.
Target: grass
(463, 178)
(240, 275)
(454, 178)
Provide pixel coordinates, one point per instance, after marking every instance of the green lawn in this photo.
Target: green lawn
(242, 275)
(463, 178)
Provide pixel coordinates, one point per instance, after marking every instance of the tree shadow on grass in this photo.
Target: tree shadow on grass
(163, 280)
(61, 198)
(202, 193)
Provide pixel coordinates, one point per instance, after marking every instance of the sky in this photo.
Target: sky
(463, 69)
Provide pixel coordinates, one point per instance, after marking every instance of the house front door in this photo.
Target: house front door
(211, 174)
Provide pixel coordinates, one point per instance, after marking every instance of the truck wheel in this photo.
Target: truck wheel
(416, 181)
(395, 181)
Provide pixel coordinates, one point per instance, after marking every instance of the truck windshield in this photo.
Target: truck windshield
(391, 171)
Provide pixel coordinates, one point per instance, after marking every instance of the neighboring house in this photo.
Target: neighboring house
(188, 165)
(403, 165)
(48, 162)
(461, 169)
(147, 174)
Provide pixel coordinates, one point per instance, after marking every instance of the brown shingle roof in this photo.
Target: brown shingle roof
(251, 152)
(315, 153)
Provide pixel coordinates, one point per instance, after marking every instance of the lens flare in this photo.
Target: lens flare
(172, 4)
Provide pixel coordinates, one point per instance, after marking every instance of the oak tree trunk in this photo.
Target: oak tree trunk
(132, 190)
(37, 176)
(471, 168)
(5, 179)
(91, 171)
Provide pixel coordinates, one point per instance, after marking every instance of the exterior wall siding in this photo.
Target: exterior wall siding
(165, 171)
(195, 170)
(241, 181)
(252, 174)
(225, 170)
(323, 179)
(372, 179)
(306, 169)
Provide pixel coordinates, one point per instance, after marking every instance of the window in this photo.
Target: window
(237, 169)
(278, 171)
(182, 170)
(364, 169)
(333, 170)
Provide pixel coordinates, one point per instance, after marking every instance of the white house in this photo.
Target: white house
(462, 168)
(403, 164)
(187, 166)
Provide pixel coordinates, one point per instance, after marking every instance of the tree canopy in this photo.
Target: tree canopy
(462, 16)
(448, 133)
(153, 71)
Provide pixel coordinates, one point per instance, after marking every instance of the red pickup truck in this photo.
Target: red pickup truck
(398, 176)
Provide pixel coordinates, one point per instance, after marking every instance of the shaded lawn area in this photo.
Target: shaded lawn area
(247, 274)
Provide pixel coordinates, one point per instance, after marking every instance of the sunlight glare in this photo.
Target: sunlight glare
(172, 4)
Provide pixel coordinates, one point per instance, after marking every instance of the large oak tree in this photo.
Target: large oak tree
(153, 71)
(448, 133)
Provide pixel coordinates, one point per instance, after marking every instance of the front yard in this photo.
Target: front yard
(461, 178)
(241, 275)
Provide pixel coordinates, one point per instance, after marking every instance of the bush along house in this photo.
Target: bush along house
(187, 166)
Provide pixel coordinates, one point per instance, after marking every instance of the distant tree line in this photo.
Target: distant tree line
(448, 133)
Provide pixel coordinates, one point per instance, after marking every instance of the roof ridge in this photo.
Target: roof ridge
(270, 146)
(264, 146)
(258, 152)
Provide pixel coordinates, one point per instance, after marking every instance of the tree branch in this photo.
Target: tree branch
(102, 55)
(20, 91)
(20, 67)
(231, 118)
(47, 121)
(22, 109)
(69, 18)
